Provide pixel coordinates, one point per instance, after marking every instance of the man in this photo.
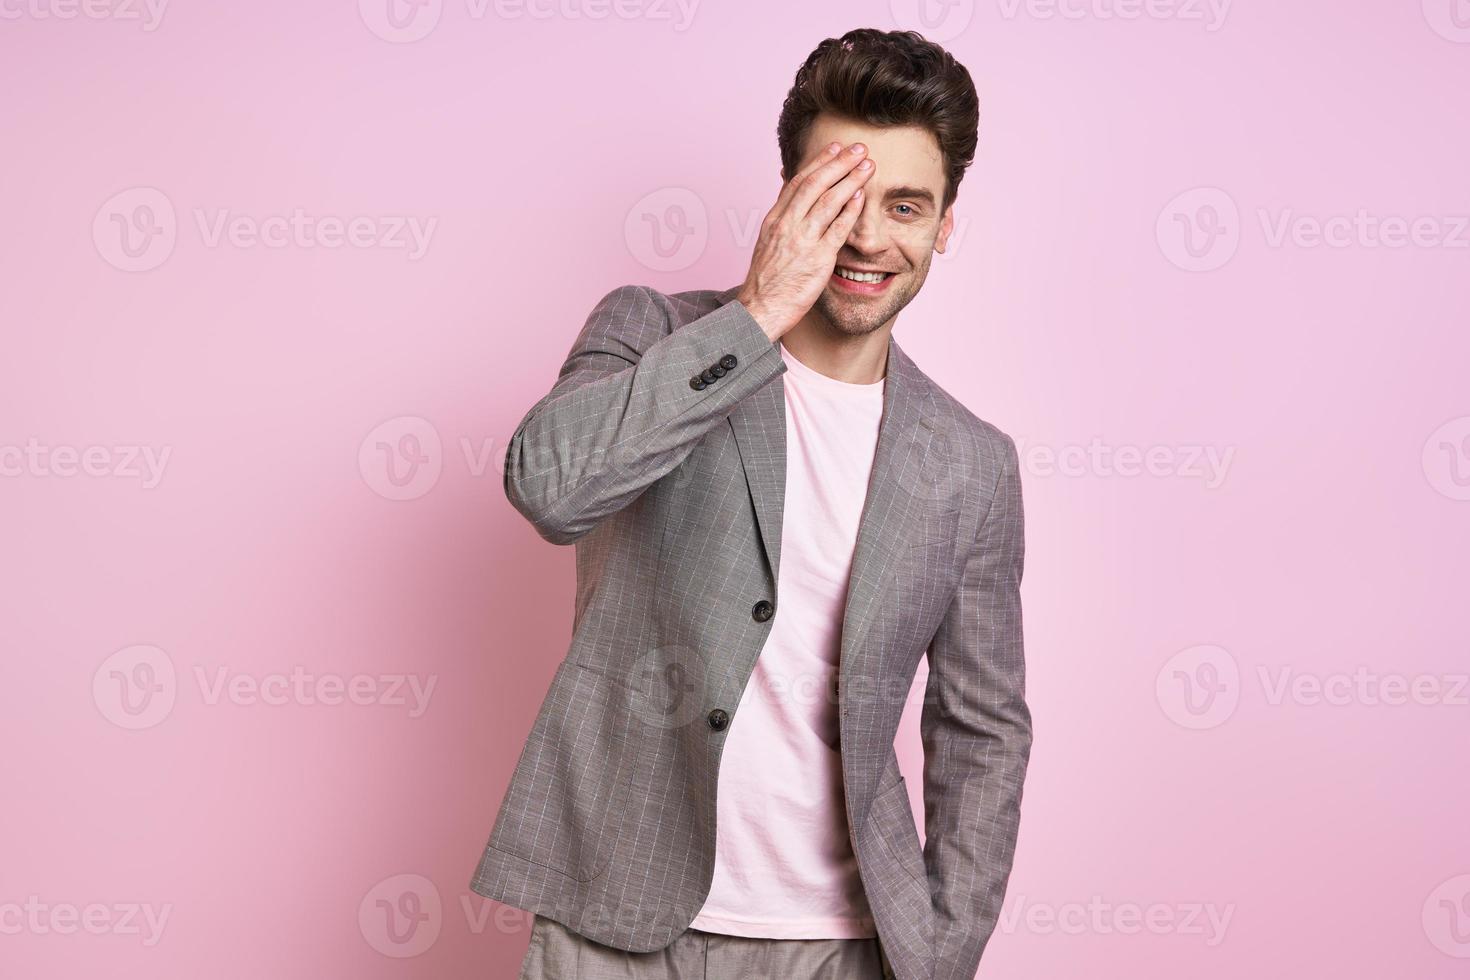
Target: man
(776, 514)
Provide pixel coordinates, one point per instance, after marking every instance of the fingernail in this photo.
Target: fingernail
(859, 148)
(865, 165)
(834, 147)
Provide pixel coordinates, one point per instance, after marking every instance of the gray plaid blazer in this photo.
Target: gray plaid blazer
(660, 452)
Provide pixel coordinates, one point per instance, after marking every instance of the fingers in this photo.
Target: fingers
(815, 179)
(788, 189)
(830, 204)
(822, 179)
(841, 226)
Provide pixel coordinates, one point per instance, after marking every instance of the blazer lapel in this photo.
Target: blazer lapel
(895, 500)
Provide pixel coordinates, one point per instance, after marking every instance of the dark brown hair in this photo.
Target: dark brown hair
(885, 78)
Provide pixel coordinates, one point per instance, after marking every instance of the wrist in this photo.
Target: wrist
(768, 321)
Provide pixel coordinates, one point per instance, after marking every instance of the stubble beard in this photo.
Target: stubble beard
(858, 317)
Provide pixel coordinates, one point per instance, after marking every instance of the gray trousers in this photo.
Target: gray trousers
(558, 953)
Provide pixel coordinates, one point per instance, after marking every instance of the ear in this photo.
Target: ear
(946, 228)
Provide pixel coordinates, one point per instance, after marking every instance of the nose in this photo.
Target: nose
(868, 236)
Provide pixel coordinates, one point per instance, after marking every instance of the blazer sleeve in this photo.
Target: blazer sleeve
(976, 731)
(622, 412)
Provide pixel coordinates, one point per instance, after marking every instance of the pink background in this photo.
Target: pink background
(1119, 281)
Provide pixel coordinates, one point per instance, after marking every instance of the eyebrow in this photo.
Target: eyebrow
(918, 193)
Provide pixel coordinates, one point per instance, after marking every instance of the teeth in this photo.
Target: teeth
(861, 276)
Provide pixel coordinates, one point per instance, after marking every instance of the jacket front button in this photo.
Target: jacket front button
(762, 611)
(719, 719)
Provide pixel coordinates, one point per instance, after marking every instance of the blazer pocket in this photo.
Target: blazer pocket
(936, 528)
(895, 824)
(562, 806)
(904, 889)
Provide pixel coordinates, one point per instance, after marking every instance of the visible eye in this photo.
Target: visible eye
(910, 213)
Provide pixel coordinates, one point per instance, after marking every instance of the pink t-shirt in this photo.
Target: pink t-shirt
(784, 866)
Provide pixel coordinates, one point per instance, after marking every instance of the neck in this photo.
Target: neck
(821, 347)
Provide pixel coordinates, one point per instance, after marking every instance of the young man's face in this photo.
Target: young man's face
(900, 227)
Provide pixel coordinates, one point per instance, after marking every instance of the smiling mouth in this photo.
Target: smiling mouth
(855, 276)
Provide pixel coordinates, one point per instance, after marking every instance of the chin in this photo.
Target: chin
(847, 322)
(857, 319)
